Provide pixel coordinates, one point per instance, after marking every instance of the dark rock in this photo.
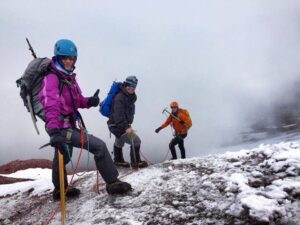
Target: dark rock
(11, 180)
(16, 165)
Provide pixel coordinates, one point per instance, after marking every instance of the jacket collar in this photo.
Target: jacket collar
(61, 73)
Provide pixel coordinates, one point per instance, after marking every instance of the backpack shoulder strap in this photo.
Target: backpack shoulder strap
(61, 81)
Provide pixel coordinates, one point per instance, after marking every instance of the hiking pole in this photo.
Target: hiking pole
(133, 150)
(61, 186)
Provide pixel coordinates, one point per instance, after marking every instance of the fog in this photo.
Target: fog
(227, 62)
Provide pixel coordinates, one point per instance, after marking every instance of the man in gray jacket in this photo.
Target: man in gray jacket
(120, 121)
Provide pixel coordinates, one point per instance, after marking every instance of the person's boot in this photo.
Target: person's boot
(118, 158)
(118, 187)
(138, 163)
(182, 151)
(71, 193)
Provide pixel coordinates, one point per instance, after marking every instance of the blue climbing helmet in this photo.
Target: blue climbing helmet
(131, 81)
(65, 47)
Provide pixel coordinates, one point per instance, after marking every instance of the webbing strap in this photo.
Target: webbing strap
(69, 135)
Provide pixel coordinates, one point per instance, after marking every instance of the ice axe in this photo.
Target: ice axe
(45, 145)
(173, 116)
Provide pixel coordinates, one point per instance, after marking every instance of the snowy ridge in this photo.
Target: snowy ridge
(257, 186)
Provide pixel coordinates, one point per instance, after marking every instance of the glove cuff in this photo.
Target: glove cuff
(89, 102)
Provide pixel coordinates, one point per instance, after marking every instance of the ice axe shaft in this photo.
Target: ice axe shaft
(61, 186)
(133, 151)
(31, 49)
(175, 117)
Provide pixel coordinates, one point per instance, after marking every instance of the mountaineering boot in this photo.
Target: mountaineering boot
(118, 158)
(118, 187)
(122, 164)
(71, 193)
(136, 161)
(140, 164)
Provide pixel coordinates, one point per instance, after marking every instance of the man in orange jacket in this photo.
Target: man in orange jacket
(180, 120)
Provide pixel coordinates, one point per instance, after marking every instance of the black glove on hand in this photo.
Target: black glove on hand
(158, 129)
(181, 122)
(57, 140)
(94, 100)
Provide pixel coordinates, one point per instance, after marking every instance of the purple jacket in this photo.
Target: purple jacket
(57, 106)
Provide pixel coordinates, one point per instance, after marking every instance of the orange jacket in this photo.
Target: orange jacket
(179, 128)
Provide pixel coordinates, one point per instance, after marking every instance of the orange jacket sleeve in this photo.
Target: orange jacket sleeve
(167, 122)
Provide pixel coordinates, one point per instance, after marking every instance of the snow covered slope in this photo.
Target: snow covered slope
(257, 186)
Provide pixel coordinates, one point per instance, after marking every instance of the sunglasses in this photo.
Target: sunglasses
(71, 58)
(132, 86)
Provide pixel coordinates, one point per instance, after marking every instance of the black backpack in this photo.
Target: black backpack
(30, 85)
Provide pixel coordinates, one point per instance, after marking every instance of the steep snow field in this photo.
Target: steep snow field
(255, 186)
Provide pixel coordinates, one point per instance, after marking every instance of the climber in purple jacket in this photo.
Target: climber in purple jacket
(60, 98)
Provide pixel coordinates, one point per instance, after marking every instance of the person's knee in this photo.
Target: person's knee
(171, 145)
(180, 143)
(119, 145)
(100, 149)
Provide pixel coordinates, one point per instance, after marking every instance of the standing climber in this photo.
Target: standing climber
(120, 124)
(181, 121)
(60, 97)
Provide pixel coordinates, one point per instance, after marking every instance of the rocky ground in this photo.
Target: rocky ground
(260, 186)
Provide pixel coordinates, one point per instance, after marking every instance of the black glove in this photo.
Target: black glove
(181, 122)
(94, 100)
(158, 129)
(57, 140)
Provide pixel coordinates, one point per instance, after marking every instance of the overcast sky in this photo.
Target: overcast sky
(222, 60)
